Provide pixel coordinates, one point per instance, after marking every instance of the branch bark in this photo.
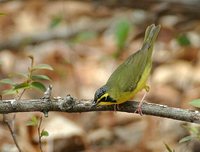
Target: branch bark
(71, 105)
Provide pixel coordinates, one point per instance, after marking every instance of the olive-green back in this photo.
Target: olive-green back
(126, 77)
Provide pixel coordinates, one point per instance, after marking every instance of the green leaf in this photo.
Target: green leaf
(38, 85)
(186, 139)
(9, 92)
(194, 130)
(33, 122)
(7, 81)
(40, 77)
(56, 20)
(121, 33)
(44, 133)
(169, 149)
(42, 66)
(195, 103)
(23, 85)
(183, 40)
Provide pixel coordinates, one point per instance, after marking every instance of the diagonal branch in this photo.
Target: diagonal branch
(71, 105)
(51, 34)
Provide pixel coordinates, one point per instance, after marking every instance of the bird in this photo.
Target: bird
(131, 76)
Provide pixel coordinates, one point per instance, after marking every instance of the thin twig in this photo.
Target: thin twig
(9, 124)
(20, 96)
(39, 134)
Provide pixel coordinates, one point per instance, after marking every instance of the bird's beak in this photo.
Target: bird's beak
(94, 103)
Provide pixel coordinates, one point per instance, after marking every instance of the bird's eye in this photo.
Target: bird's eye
(110, 99)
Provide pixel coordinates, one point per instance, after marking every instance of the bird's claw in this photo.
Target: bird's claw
(139, 110)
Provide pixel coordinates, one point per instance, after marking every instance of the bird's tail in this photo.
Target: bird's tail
(151, 34)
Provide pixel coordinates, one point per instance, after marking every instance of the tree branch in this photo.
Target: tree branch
(51, 34)
(71, 105)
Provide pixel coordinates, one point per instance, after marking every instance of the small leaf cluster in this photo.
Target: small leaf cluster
(55, 21)
(169, 149)
(121, 32)
(195, 103)
(183, 40)
(30, 79)
(35, 122)
(194, 134)
(194, 131)
(44, 133)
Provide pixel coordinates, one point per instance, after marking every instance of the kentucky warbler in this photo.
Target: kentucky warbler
(131, 76)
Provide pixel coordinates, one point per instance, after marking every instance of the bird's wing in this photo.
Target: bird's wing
(128, 74)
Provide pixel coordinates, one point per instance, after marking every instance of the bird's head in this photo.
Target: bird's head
(102, 97)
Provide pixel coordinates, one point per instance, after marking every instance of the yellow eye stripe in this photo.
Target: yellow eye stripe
(103, 96)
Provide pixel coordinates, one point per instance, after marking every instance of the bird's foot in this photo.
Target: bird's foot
(139, 110)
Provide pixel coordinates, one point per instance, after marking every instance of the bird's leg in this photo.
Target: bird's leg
(139, 108)
(116, 107)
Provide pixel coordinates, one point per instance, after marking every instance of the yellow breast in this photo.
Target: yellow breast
(125, 96)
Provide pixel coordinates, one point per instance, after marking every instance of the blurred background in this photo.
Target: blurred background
(84, 41)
